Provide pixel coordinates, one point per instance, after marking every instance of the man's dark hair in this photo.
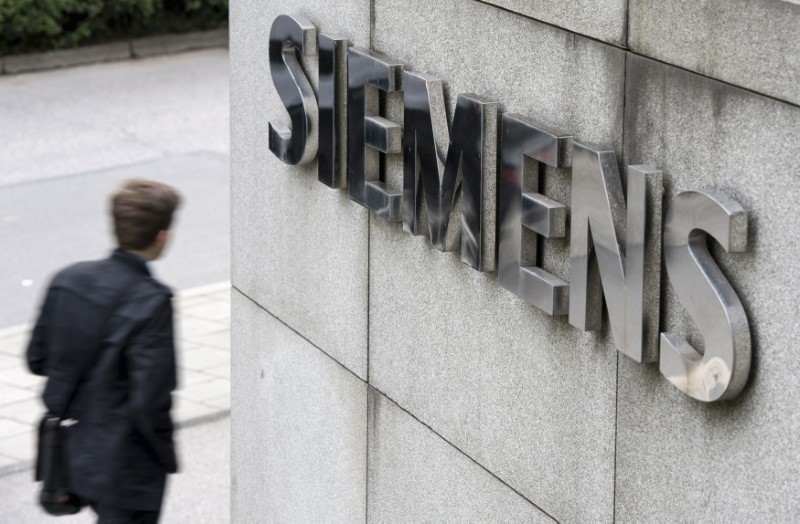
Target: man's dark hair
(142, 208)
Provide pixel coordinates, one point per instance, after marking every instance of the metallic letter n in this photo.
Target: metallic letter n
(599, 220)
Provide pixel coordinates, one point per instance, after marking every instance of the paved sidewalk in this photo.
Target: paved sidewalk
(202, 318)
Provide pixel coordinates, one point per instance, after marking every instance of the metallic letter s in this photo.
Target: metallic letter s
(721, 372)
(288, 39)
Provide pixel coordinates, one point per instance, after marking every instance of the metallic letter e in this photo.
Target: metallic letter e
(534, 211)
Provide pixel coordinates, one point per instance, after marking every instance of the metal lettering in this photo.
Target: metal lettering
(289, 38)
(516, 208)
(598, 220)
(367, 74)
(721, 371)
(469, 164)
(450, 179)
(332, 167)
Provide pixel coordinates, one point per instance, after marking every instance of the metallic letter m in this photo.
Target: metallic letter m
(470, 162)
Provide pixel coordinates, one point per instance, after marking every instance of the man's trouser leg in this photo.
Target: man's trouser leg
(109, 515)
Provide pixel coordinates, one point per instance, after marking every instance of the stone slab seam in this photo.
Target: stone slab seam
(551, 24)
(197, 421)
(270, 313)
(603, 42)
(370, 386)
(624, 162)
(487, 470)
(369, 280)
(114, 51)
(714, 79)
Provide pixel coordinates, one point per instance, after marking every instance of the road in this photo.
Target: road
(69, 137)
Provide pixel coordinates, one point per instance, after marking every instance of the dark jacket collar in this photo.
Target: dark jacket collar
(134, 261)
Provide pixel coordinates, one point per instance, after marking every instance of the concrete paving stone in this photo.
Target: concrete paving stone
(67, 57)
(416, 476)
(28, 411)
(448, 344)
(223, 402)
(189, 328)
(205, 358)
(22, 378)
(220, 340)
(748, 43)
(11, 394)
(220, 371)
(188, 377)
(198, 494)
(15, 345)
(206, 289)
(298, 427)
(7, 461)
(604, 19)
(181, 303)
(178, 43)
(292, 237)
(185, 410)
(21, 446)
(7, 361)
(221, 294)
(203, 391)
(186, 347)
(733, 461)
(212, 310)
(19, 329)
(10, 428)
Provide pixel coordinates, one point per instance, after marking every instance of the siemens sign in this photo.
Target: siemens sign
(454, 175)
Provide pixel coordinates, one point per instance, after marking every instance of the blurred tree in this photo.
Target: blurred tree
(37, 25)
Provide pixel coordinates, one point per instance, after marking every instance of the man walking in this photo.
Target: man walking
(104, 340)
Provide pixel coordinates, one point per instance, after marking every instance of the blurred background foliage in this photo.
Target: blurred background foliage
(41, 25)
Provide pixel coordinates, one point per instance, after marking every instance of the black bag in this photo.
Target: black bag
(52, 466)
(51, 469)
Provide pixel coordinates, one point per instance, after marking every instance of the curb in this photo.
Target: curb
(15, 330)
(114, 51)
(197, 421)
(169, 44)
(202, 290)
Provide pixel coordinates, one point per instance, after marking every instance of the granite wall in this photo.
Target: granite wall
(377, 378)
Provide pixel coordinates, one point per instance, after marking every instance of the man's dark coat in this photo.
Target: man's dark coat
(106, 327)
